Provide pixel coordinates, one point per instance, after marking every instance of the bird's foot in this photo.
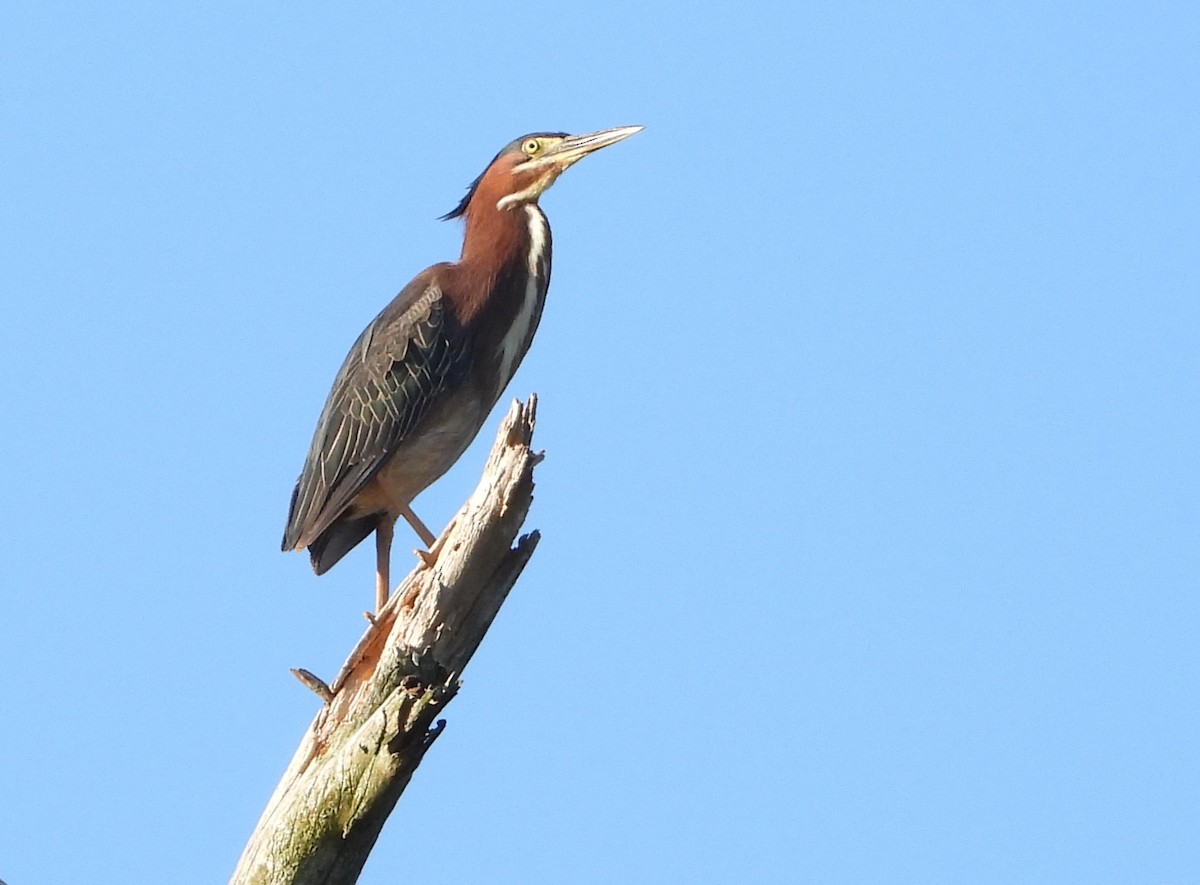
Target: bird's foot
(427, 558)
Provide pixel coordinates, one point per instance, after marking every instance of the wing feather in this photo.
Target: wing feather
(396, 369)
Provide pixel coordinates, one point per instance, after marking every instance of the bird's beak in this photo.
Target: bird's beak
(575, 147)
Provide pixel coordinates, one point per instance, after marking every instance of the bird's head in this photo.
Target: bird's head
(525, 168)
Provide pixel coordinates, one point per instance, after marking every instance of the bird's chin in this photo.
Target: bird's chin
(532, 192)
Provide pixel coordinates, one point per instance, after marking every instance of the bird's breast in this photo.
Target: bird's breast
(517, 338)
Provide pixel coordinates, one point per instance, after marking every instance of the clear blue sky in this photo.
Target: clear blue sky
(869, 383)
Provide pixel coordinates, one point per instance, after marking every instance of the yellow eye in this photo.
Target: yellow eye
(531, 147)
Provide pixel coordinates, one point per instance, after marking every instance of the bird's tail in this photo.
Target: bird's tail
(339, 539)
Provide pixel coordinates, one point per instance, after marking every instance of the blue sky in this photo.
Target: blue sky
(868, 387)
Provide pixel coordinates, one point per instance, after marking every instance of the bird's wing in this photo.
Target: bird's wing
(398, 365)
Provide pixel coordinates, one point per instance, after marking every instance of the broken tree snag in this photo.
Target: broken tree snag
(379, 714)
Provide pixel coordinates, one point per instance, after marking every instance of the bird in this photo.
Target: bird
(419, 382)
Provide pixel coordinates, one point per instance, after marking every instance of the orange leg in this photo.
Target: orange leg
(430, 555)
(383, 561)
(427, 537)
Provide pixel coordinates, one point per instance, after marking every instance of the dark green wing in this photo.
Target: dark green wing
(397, 367)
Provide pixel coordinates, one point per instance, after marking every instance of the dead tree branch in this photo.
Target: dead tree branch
(378, 719)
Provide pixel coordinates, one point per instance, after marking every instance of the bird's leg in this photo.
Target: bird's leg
(383, 560)
(430, 555)
(427, 537)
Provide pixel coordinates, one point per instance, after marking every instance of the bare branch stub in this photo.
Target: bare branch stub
(314, 683)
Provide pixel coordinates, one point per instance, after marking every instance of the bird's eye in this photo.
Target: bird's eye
(531, 147)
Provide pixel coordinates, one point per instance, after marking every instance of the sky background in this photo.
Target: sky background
(868, 384)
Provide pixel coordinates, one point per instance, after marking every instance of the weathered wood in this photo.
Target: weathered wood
(378, 720)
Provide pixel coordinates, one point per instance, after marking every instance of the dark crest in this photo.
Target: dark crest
(457, 211)
(514, 145)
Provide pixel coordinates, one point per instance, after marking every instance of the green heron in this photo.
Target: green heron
(422, 377)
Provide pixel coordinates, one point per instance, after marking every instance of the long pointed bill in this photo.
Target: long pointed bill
(576, 147)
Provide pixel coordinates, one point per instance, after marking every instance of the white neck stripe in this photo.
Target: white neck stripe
(516, 339)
